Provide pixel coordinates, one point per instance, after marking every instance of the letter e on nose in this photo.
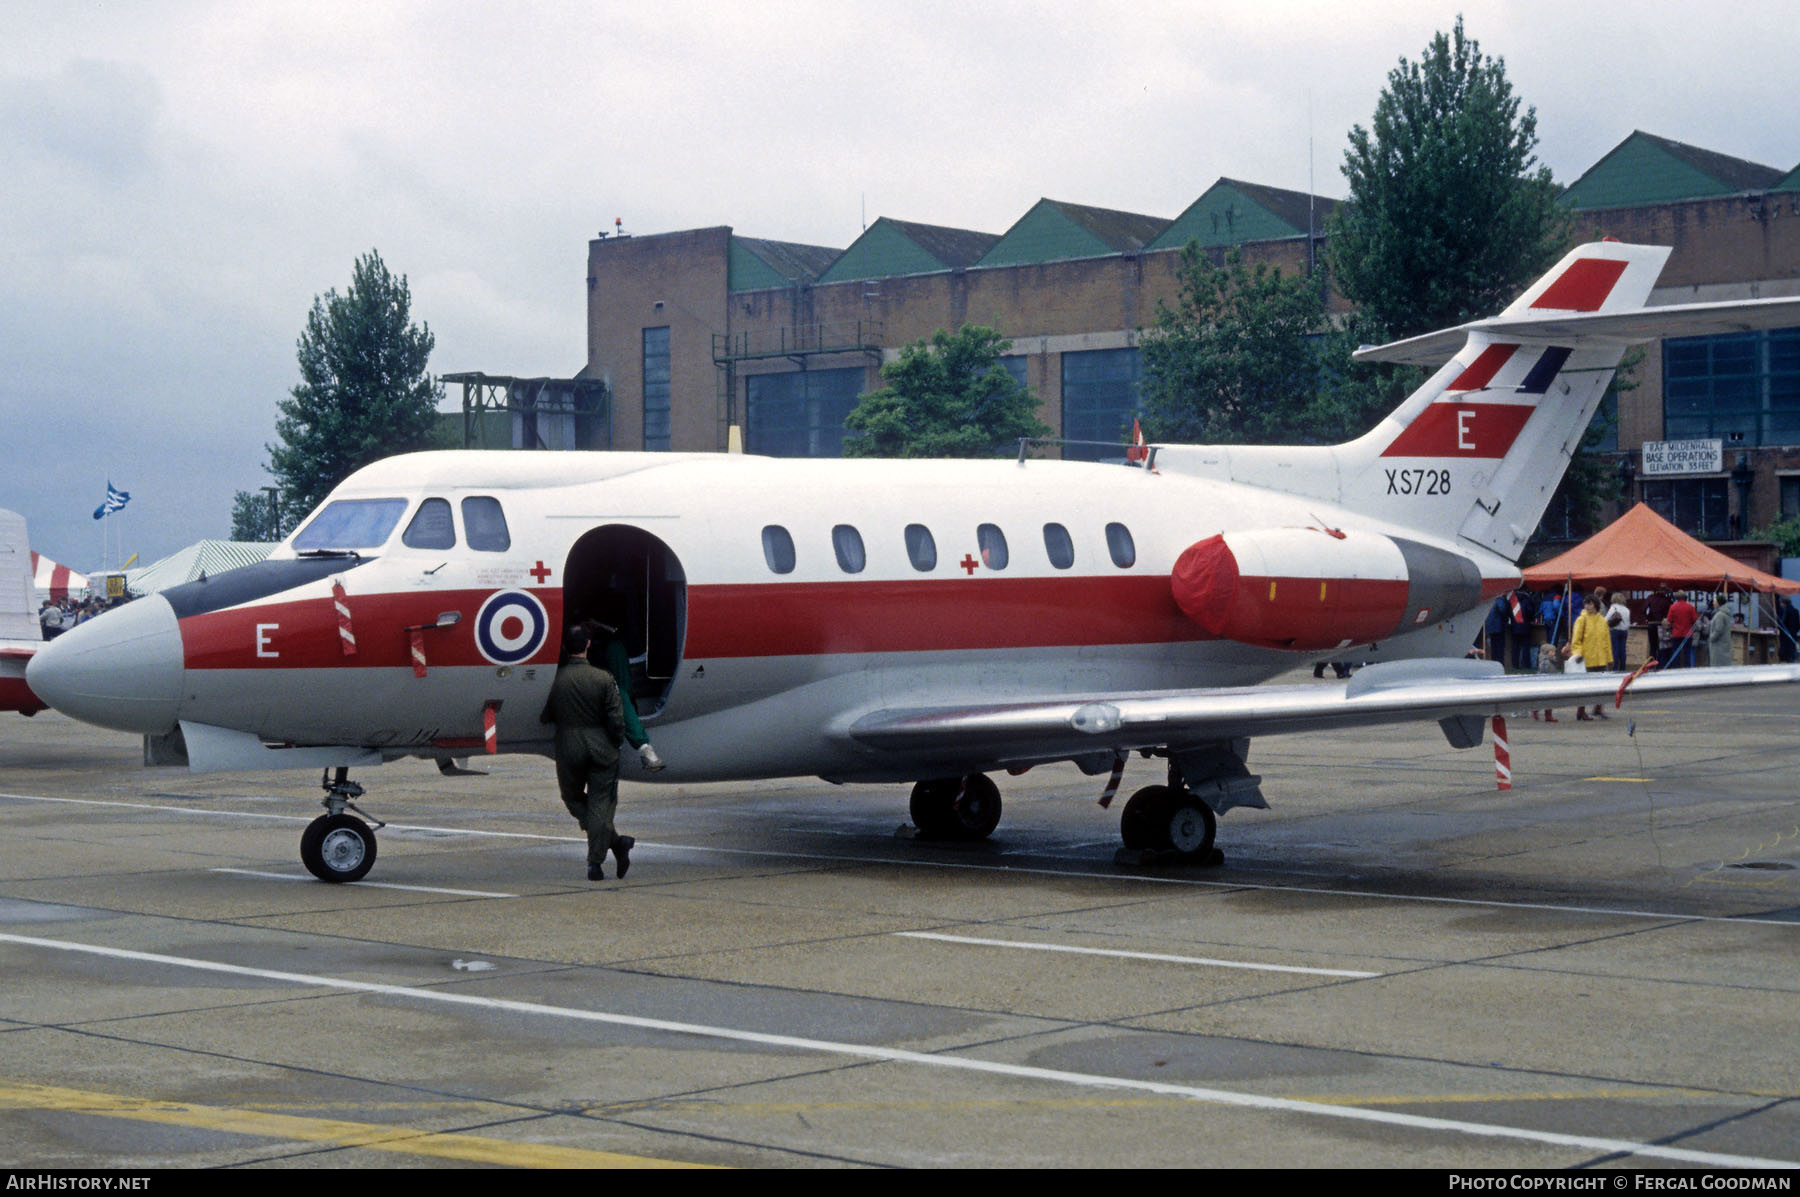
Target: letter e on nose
(262, 639)
(1464, 434)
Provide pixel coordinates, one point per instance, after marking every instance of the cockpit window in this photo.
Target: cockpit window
(484, 525)
(351, 524)
(431, 527)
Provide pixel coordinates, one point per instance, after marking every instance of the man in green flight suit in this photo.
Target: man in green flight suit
(590, 722)
(609, 652)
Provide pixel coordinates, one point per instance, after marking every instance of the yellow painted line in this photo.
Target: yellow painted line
(473, 1149)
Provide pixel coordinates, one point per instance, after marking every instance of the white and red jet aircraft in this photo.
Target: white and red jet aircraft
(911, 621)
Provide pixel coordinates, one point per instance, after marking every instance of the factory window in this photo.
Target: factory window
(778, 549)
(847, 543)
(1790, 497)
(1099, 400)
(431, 528)
(1058, 545)
(921, 548)
(1741, 388)
(993, 546)
(484, 525)
(801, 413)
(1698, 506)
(656, 389)
(1014, 364)
(1119, 544)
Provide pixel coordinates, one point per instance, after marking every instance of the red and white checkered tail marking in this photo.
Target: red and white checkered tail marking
(1502, 755)
(418, 650)
(346, 636)
(489, 735)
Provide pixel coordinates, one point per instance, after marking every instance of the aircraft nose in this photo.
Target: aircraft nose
(122, 670)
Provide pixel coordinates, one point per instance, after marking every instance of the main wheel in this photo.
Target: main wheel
(1161, 819)
(1143, 824)
(956, 808)
(338, 848)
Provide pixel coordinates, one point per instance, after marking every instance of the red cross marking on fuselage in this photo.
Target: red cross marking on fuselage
(969, 563)
(541, 572)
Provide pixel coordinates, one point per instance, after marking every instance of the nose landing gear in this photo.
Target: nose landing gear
(337, 847)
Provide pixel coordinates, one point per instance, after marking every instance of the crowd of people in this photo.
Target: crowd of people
(56, 616)
(1560, 631)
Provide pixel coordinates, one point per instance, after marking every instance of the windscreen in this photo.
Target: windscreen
(351, 524)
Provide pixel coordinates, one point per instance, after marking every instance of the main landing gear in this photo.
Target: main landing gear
(956, 808)
(338, 847)
(1177, 822)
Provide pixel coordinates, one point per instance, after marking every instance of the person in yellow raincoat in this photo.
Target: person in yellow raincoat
(1590, 641)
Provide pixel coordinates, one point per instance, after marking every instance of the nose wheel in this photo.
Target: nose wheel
(338, 847)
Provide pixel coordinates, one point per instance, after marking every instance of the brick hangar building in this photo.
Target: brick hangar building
(693, 332)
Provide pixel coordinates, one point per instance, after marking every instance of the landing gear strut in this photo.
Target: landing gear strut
(956, 808)
(337, 847)
(1177, 822)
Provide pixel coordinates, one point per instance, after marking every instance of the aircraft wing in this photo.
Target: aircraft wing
(1624, 328)
(1458, 693)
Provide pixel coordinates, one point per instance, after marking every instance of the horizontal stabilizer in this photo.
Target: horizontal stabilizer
(1593, 328)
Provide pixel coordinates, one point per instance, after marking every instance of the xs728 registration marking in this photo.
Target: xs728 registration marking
(1418, 482)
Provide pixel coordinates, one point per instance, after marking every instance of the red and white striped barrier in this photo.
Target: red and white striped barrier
(1502, 755)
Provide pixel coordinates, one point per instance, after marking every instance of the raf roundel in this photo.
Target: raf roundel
(510, 627)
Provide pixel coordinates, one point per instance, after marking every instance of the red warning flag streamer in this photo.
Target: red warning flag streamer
(417, 636)
(1502, 755)
(346, 637)
(1138, 451)
(1640, 671)
(1112, 783)
(489, 736)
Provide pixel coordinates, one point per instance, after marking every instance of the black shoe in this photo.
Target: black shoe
(595, 873)
(622, 852)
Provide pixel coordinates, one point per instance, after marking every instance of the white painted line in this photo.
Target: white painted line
(894, 1055)
(1021, 870)
(1158, 956)
(418, 889)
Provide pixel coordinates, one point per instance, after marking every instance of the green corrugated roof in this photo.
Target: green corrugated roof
(1645, 169)
(890, 248)
(756, 264)
(1231, 212)
(1789, 181)
(1053, 231)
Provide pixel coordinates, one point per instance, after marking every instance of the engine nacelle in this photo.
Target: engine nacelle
(1311, 588)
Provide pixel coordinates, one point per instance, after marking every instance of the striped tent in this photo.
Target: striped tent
(55, 581)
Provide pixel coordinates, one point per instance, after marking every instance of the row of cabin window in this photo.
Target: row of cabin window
(921, 548)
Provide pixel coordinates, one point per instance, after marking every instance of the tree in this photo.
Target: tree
(364, 392)
(255, 516)
(1236, 360)
(1449, 214)
(948, 397)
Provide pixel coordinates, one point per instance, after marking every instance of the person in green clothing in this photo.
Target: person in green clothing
(590, 722)
(613, 657)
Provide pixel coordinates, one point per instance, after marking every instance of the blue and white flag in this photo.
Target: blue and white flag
(115, 499)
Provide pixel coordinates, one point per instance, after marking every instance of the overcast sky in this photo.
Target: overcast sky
(178, 180)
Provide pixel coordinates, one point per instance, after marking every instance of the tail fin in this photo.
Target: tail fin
(1477, 451)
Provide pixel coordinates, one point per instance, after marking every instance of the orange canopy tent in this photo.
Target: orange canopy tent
(1642, 551)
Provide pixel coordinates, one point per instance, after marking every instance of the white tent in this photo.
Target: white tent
(207, 557)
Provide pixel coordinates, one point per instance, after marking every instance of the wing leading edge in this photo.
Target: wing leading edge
(1396, 692)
